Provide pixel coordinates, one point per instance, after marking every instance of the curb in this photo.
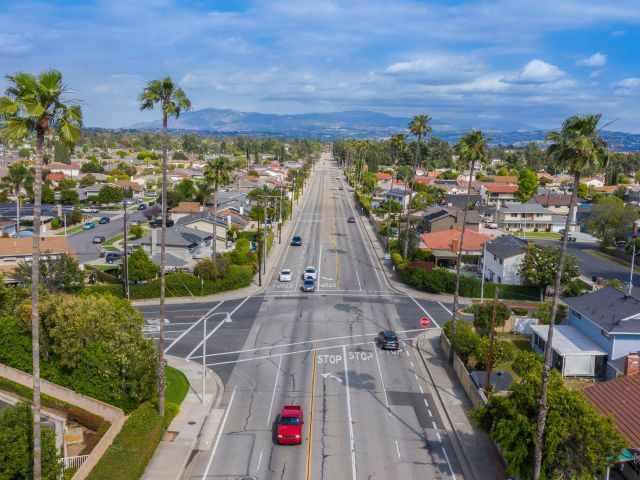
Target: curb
(466, 465)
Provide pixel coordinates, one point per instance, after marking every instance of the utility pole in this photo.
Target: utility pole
(125, 261)
(487, 381)
(259, 249)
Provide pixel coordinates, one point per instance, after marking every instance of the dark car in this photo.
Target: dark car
(98, 239)
(142, 206)
(388, 340)
(351, 220)
(340, 187)
(158, 223)
(309, 285)
(104, 220)
(296, 241)
(111, 257)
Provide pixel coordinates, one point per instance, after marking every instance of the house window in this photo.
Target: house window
(539, 342)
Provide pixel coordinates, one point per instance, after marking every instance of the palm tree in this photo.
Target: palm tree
(419, 127)
(35, 104)
(19, 177)
(217, 172)
(172, 101)
(398, 146)
(471, 149)
(576, 148)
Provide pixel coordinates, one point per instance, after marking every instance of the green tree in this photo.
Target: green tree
(471, 149)
(140, 265)
(577, 147)
(611, 219)
(88, 180)
(179, 156)
(92, 166)
(60, 273)
(16, 445)
(48, 195)
(503, 352)
(583, 191)
(36, 104)
(173, 101)
(110, 194)
(67, 183)
(61, 153)
(18, 178)
(527, 363)
(543, 312)
(502, 172)
(217, 173)
(136, 231)
(24, 153)
(482, 314)
(527, 185)
(69, 197)
(210, 270)
(464, 340)
(540, 266)
(579, 442)
(186, 189)
(369, 181)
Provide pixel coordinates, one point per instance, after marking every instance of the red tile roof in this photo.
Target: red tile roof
(443, 240)
(493, 188)
(505, 179)
(383, 176)
(425, 180)
(55, 177)
(621, 398)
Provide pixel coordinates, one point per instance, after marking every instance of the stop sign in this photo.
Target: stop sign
(424, 321)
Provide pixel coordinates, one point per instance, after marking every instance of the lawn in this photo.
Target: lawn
(520, 342)
(549, 235)
(71, 230)
(177, 386)
(113, 240)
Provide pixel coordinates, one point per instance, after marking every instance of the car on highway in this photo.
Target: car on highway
(296, 241)
(88, 226)
(388, 340)
(290, 423)
(351, 220)
(104, 220)
(285, 275)
(98, 239)
(111, 257)
(309, 285)
(310, 272)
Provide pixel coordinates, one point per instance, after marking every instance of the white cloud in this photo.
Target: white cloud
(596, 60)
(618, 33)
(13, 44)
(436, 66)
(537, 71)
(632, 82)
(627, 86)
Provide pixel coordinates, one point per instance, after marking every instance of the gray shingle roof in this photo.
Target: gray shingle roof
(178, 236)
(609, 308)
(507, 246)
(524, 208)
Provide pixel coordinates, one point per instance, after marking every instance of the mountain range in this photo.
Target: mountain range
(355, 124)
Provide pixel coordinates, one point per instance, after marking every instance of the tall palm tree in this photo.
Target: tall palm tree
(419, 127)
(217, 172)
(471, 149)
(19, 177)
(172, 101)
(35, 104)
(576, 148)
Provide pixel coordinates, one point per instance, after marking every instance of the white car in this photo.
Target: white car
(310, 272)
(492, 225)
(285, 275)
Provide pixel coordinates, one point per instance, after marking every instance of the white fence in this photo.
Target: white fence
(74, 462)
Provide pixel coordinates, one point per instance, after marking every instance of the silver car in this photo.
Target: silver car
(310, 272)
(285, 275)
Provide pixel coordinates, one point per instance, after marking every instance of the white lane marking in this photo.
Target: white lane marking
(421, 391)
(439, 437)
(259, 461)
(215, 329)
(430, 414)
(275, 388)
(426, 403)
(358, 278)
(317, 340)
(425, 312)
(191, 327)
(215, 445)
(350, 418)
(448, 311)
(295, 232)
(417, 379)
(398, 449)
(435, 427)
(412, 366)
(407, 352)
(319, 265)
(446, 457)
(386, 400)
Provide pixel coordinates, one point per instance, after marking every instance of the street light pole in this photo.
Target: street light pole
(204, 345)
(633, 258)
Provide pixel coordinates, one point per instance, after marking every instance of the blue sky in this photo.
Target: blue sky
(504, 63)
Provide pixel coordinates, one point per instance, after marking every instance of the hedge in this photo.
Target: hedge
(180, 285)
(364, 201)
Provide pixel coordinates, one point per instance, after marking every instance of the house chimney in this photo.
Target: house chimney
(455, 245)
(632, 364)
(241, 209)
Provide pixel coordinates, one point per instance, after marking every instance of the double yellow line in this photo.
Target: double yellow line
(310, 417)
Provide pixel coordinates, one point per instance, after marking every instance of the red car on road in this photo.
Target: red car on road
(290, 425)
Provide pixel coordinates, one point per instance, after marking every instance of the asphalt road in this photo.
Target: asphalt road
(373, 414)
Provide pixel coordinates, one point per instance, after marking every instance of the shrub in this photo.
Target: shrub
(141, 267)
(210, 270)
(527, 362)
(396, 259)
(483, 314)
(465, 341)
(136, 231)
(520, 311)
(503, 351)
(55, 223)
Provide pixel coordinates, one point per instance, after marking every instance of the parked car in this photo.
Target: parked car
(111, 257)
(158, 223)
(128, 202)
(340, 187)
(99, 239)
(572, 237)
(135, 222)
(104, 220)
(351, 220)
(491, 225)
(296, 241)
(309, 285)
(285, 275)
(388, 340)
(290, 423)
(142, 206)
(88, 226)
(310, 272)
(89, 210)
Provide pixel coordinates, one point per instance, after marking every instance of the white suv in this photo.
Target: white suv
(310, 272)
(285, 275)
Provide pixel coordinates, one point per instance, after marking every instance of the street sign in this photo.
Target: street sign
(424, 322)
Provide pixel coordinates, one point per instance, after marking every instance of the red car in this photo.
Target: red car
(290, 425)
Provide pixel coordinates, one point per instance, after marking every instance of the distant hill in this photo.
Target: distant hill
(354, 124)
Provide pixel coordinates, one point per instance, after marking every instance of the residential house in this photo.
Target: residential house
(184, 209)
(450, 186)
(436, 219)
(70, 170)
(225, 219)
(400, 195)
(54, 178)
(620, 398)
(182, 243)
(498, 194)
(505, 179)
(612, 320)
(460, 200)
(384, 180)
(557, 203)
(138, 191)
(593, 182)
(445, 244)
(14, 250)
(501, 260)
(247, 182)
(528, 217)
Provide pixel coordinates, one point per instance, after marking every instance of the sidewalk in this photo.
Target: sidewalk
(478, 456)
(172, 455)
